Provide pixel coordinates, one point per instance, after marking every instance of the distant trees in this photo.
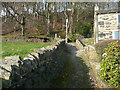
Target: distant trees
(17, 12)
(84, 29)
(50, 16)
(119, 4)
(108, 5)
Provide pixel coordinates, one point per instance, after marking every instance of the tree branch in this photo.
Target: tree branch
(15, 12)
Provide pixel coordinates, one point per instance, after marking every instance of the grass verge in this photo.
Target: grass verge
(20, 48)
(88, 41)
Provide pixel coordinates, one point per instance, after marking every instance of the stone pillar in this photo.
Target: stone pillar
(96, 8)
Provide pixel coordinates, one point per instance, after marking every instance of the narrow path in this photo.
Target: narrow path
(75, 73)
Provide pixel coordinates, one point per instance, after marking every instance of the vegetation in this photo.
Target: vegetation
(20, 48)
(38, 26)
(42, 36)
(88, 41)
(84, 29)
(42, 19)
(110, 64)
(72, 38)
(28, 18)
(101, 45)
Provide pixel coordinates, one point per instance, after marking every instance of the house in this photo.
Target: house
(106, 24)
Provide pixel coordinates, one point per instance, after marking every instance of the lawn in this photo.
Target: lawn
(88, 41)
(20, 48)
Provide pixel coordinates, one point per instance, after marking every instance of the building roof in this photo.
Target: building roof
(116, 10)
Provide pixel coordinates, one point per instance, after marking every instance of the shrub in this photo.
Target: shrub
(38, 26)
(110, 64)
(84, 29)
(101, 45)
(72, 38)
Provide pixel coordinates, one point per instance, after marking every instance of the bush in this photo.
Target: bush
(72, 38)
(38, 26)
(84, 29)
(110, 64)
(101, 45)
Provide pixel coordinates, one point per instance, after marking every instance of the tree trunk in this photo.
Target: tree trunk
(54, 23)
(63, 18)
(119, 4)
(71, 25)
(108, 4)
(5, 18)
(17, 17)
(23, 25)
(55, 16)
(48, 19)
(77, 14)
(38, 8)
(71, 20)
(34, 9)
(48, 23)
(37, 16)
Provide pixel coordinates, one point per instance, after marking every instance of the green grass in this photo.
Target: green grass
(42, 36)
(88, 41)
(20, 48)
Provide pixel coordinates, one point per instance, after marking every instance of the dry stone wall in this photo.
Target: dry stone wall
(36, 70)
(87, 50)
(88, 53)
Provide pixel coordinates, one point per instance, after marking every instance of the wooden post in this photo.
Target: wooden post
(66, 30)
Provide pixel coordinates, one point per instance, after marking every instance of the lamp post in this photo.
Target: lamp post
(66, 40)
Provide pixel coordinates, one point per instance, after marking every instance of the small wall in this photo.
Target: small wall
(88, 53)
(36, 70)
(87, 50)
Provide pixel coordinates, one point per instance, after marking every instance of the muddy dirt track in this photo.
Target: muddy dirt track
(76, 72)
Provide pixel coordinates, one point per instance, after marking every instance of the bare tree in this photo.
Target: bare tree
(71, 17)
(19, 17)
